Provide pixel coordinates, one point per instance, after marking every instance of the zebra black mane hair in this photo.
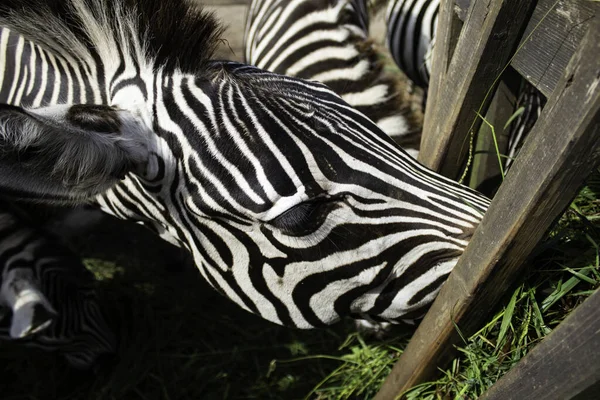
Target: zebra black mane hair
(173, 35)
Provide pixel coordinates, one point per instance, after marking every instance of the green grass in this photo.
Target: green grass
(564, 271)
(181, 340)
(184, 341)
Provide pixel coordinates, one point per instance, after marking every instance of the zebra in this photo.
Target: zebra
(47, 297)
(410, 36)
(532, 101)
(328, 41)
(291, 203)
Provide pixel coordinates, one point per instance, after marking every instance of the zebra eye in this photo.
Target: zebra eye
(300, 219)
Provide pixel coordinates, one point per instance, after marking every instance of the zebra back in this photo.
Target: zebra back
(327, 41)
(531, 101)
(411, 26)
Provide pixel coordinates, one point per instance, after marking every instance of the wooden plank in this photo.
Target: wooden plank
(486, 43)
(562, 149)
(547, 52)
(485, 167)
(556, 28)
(461, 8)
(447, 32)
(563, 366)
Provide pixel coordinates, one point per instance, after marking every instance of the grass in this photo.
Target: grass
(181, 340)
(184, 341)
(564, 271)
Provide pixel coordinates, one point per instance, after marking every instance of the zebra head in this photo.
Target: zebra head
(292, 203)
(49, 297)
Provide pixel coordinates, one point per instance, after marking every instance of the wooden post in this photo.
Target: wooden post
(562, 149)
(485, 164)
(486, 43)
(550, 39)
(447, 31)
(563, 366)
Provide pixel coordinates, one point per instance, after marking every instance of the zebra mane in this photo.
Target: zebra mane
(173, 35)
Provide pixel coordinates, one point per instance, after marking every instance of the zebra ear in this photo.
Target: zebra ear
(68, 152)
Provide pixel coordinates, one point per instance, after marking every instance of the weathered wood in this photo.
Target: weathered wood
(486, 43)
(562, 149)
(485, 164)
(448, 29)
(562, 366)
(558, 27)
(544, 56)
(461, 8)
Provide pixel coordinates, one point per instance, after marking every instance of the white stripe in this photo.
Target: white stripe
(32, 68)
(37, 101)
(322, 55)
(56, 78)
(238, 177)
(16, 79)
(4, 33)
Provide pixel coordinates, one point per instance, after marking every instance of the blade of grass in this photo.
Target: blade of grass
(581, 275)
(563, 289)
(485, 121)
(515, 115)
(507, 318)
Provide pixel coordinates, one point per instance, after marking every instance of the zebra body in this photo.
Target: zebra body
(532, 101)
(327, 41)
(292, 203)
(48, 296)
(411, 26)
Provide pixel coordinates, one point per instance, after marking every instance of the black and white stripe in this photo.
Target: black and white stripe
(292, 203)
(529, 104)
(327, 41)
(47, 297)
(411, 26)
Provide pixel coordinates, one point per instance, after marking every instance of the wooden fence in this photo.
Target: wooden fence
(555, 45)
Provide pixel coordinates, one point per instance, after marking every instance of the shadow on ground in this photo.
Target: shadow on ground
(180, 338)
